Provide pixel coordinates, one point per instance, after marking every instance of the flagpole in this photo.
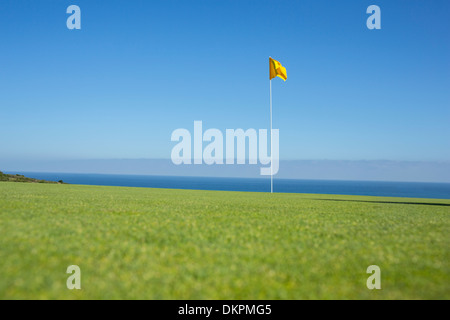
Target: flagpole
(271, 142)
(275, 70)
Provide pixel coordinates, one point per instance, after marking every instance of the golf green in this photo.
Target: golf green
(139, 243)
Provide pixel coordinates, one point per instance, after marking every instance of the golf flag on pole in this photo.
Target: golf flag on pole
(277, 70)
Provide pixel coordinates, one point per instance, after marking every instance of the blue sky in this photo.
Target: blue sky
(137, 70)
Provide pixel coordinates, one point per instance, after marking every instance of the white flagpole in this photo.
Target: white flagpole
(271, 142)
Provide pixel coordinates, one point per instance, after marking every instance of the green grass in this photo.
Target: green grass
(136, 243)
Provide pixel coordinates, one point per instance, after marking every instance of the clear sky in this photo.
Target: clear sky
(137, 70)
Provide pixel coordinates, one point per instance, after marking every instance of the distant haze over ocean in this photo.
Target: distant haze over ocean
(373, 170)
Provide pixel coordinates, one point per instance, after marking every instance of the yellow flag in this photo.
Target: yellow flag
(277, 70)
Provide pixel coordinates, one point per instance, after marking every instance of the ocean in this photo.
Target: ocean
(367, 188)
